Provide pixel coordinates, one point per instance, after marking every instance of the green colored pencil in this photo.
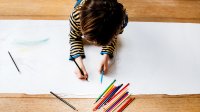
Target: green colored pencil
(105, 91)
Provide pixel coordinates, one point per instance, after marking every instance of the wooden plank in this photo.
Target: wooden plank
(163, 10)
(32, 9)
(138, 10)
(35, 7)
(142, 103)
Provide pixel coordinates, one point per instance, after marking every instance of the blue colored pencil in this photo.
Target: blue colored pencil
(114, 93)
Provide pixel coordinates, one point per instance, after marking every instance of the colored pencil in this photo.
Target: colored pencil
(104, 98)
(112, 106)
(63, 101)
(120, 91)
(110, 96)
(108, 91)
(14, 62)
(125, 105)
(109, 104)
(115, 101)
(101, 79)
(119, 103)
(78, 67)
(105, 91)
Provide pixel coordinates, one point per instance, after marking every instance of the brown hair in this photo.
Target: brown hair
(101, 20)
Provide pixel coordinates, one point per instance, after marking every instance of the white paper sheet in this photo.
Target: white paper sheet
(155, 58)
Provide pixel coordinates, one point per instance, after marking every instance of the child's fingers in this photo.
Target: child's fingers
(85, 75)
(105, 69)
(79, 75)
(101, 68)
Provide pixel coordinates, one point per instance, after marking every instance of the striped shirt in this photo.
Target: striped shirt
(75, 35)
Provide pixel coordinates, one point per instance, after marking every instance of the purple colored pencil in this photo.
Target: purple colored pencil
(110, 96)
(117, 102)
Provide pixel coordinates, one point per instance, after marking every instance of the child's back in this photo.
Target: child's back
(98, 21)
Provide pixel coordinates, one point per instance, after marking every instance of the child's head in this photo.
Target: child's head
(101, 20)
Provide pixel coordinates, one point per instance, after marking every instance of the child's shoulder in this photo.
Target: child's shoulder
(79, 4)
(76, 12)
(82, 2)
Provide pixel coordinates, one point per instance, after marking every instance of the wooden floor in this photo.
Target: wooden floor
(142, 103)
(138, 10)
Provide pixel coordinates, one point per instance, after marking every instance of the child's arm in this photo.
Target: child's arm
(109, 49)
(75, 40)
(107, 52)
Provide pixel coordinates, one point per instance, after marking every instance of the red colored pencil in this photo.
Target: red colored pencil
(103, 99)
(119, 92)
(119, 103)
(125, 105)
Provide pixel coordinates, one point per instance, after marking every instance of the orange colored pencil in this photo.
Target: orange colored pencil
(103, 99)
(125, 105)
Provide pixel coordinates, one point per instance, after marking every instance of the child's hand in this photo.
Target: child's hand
(104, 64)
(78, 72)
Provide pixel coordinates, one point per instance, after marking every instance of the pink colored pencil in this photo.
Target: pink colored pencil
(119, 103)
(108, 105)
(119, 92)
(125, 105)
(101, 101)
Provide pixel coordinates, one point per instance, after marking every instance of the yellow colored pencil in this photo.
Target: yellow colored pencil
(109, 89)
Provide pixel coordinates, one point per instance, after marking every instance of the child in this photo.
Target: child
(99, 22)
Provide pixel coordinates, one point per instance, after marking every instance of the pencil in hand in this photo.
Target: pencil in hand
(78, 67)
